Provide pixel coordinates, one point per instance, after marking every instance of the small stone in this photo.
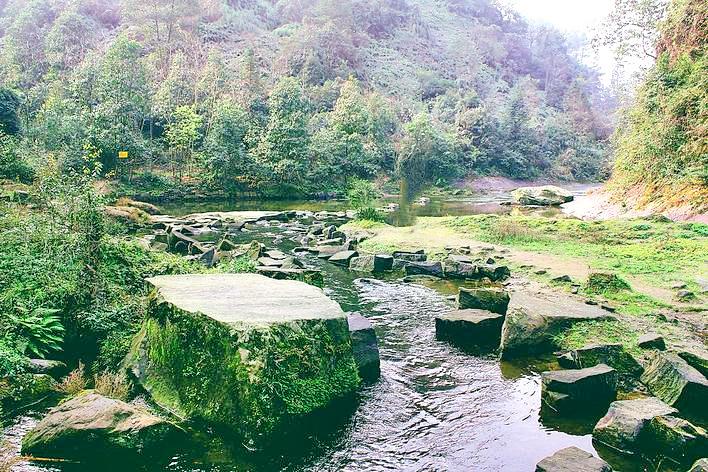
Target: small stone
(470, 327)
(685, 295)
(678, 285)
(572, 459)
(343, 257)
(425, 268)
(562, 279)
(540, 272)
(595, 387)
(651, 341)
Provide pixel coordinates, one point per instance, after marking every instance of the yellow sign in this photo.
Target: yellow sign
(122, 154)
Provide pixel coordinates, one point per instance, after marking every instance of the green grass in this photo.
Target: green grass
(664, 252)
(599, 332)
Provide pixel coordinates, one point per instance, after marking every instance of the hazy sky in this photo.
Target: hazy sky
(572, 16)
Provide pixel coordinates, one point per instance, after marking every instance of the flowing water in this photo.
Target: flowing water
(434, 408)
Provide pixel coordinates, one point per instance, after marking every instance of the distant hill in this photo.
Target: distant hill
(186, 85)
(662, 141)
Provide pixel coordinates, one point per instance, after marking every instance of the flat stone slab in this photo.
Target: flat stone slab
(470, 327)
(591, 387)
(532, 322)
(572, 459)
(491, 299)
(246, 298)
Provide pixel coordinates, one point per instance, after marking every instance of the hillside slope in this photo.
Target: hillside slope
(662, 142)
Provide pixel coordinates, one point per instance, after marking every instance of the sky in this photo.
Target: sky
(572, 16)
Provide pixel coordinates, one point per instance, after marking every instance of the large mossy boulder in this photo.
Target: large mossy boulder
(592, 388)
(533, 323)
(572, 459)
(547, 195)
(91, 427)
(674, 381)
(242, 350)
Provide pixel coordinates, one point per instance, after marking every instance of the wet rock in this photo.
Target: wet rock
(674, 437)
(470, 327)
(674, 381)
(309, 276)
(492, 299)
(425, 268)
(572, 459)
(275, 254)
(493, 272)
(625, 420)
(372, 263)
(547, 195)
(91, 427)
(533, 322)
(206, 346)
(325, 252)
(613, 355)
(343, 258)
(365, 346)
(651, 341)
(49, 367)
(589, 388)
(701, 465)
(460, 267)
(411, 256)
(696, 358)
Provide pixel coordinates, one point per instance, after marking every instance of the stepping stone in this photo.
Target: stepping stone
(460, 267)
(593, 387)
(425, 268)
(276, 254)
(625, 420)
(470, 327)
(572, 459)
(377, 263)
(411, 256)
(533, 322)
(651, 341)
(613, 355)
(365, 346)
(674, 381)
(343, 257)
(491, 299)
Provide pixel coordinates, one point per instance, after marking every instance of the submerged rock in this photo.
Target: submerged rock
(547, 195)
(532, 322)
(572, 459)
(365, 346)
(242, 350)
(492, 299)
(95, 428)
(625, 420)
(470, 327)
(678, 384)
(589, 388)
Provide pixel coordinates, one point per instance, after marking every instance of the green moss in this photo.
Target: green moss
(599, 332)
(601, 283)
(249, 379)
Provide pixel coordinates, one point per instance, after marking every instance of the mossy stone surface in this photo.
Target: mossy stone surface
(242, 351)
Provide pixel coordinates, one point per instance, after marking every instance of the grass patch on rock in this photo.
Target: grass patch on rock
(599, 332)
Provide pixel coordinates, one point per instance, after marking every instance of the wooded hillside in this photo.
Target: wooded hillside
(297, 97)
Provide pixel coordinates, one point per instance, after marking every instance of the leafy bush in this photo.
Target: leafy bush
(361, 193)
(13, 165)
(41, 329)
(370, 214)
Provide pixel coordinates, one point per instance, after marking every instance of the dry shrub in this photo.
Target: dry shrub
(75, 382)
(112, 385)
(510, 230)
(8, 457)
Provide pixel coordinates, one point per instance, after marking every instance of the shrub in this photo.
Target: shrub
(75, 382)
(12, 164)
(112, 385)
(361, 193)
(370, 214)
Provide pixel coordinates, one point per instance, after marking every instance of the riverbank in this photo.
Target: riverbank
(664, 263)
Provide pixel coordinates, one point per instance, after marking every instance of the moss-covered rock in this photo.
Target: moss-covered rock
(494, 299)
(95, 428)
(242, 350)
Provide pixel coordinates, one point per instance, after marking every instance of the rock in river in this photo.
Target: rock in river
(365, 346)
(625, 420)
(546, 195)
(593, 387)
(470, 327)
(93, 427)
(378, 263)
(425, 268)
(572, 459)
(678, 384)
(532, 322)
(343, 258)
(242, 350)
(492, 299)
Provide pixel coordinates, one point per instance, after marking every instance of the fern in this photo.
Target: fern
(41, 328)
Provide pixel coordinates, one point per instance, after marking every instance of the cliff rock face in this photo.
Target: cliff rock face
(242, 351)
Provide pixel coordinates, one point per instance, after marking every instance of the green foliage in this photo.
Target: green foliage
(370, 214)
(41, 329)
(361, 194)
(9, 103)
(599, 332)
(12, 164)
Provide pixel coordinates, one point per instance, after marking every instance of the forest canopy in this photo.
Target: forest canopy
(297, 98)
